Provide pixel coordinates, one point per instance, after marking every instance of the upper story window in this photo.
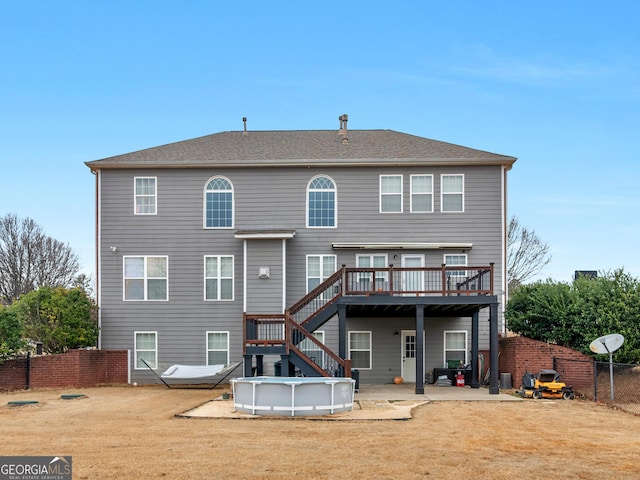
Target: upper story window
(319, 268)
(218, 203)
(145, 196)
(421, 193)
(321, 202)
(452, 193)
(218, 277)
(146, 278)
(365, 279)
(454, 277)
(390, 193)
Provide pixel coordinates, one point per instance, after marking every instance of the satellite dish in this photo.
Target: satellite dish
(607, 344)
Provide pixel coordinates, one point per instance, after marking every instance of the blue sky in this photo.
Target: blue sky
(556, 84)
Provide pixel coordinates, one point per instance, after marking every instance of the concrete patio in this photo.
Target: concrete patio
(406, 391)
(372, 402)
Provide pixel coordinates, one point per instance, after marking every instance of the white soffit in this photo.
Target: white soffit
(265, 234)
(402, 246)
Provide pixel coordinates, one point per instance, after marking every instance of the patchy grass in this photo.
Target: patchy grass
(127, 432)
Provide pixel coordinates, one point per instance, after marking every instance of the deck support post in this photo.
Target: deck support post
(342, 331)
(419, 349)
(475, 334)
(259, 365)
(494, 381)
(248, 365)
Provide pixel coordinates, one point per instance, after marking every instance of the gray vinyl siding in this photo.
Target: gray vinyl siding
(273, 199)
(386, 354)
(264, 295)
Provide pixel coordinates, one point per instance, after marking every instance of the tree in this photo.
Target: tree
(30, 259)
(85, 282)
(573, 315)
(10, 333)
(58, 317)
(527, 254)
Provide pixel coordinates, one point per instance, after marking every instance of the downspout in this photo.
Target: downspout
(98, 256)
(505, 286)
(284, 274)
(244, 275)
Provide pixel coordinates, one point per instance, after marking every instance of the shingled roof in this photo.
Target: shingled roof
(302, 147)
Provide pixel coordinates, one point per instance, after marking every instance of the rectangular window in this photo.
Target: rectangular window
(217, 348)
(421, 193)
(452, 193)
(365, 279)
(319, 268)
(390, 193)
(145, 348)
(218, 277)
(454, 277)
(145, 196)
(360, 350)
(146, 278)
(311, 350)
(455, 348)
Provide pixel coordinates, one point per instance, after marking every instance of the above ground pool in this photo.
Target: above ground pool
(293, 396)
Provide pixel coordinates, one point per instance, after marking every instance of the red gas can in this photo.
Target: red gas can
(459, 379)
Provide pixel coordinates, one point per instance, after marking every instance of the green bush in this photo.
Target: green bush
(573, 315)
(60, 318)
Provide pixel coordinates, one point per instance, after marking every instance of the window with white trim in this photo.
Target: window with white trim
(390, 193)
(365, 278)
(319, 268)
(144, 196)
(360, 350)
(312, 350)
(218, 277)
(217, 348)
(455, 276)
(145, 346)
(146, 278)
(455, 347)
(218, 203)
(421, 194)
(452, 193)
(321, 202)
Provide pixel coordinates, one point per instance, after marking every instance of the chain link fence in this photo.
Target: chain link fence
(617, 384)
(624, 391)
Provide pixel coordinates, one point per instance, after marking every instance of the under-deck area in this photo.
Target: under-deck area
(416, 293)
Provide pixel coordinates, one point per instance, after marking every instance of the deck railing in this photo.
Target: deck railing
(286, 331)
(444, 281)
(274, 330)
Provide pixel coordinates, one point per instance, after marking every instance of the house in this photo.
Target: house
(321, 252)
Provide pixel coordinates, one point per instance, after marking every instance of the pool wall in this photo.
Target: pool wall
(293, 396)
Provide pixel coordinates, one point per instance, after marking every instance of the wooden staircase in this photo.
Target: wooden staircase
(290, 334)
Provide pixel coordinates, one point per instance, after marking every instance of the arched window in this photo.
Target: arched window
(321, 202)
(218, 203)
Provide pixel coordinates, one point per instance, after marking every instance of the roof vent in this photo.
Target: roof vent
(343, 128)
(244, 121)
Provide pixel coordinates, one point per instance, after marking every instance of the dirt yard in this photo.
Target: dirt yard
(133, 433)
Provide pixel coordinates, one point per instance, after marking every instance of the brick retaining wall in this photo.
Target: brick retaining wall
(76, 368)
(521, 354)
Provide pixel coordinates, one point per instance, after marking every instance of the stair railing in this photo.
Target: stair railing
(325, 362)
(318, 299)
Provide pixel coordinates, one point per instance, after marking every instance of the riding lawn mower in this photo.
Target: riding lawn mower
(545, 385)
